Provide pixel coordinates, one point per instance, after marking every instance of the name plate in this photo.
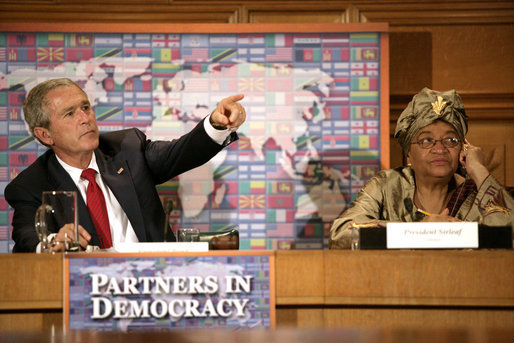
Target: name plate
(159, 291)
(445, 235)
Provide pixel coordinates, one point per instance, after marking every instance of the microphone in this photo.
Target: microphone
(168, 207)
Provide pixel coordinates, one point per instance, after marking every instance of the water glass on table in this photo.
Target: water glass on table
(188, 235)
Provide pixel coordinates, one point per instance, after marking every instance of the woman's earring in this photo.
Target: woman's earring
(409, 165)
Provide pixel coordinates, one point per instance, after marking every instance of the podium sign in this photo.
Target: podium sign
(156, 291)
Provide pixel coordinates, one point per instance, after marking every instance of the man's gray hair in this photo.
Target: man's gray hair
(35, 106)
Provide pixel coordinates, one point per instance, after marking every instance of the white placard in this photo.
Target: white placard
(162, 247)
(432, 235)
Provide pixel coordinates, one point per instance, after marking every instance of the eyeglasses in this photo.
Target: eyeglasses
(428, 143)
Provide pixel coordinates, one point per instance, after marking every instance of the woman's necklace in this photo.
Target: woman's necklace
(420, 203)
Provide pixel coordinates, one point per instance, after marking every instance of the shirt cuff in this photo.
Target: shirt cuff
(219, 136)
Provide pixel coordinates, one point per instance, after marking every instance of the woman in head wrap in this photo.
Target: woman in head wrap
(431, 131)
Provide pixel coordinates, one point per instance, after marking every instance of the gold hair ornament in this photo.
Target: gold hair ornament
(438, 105)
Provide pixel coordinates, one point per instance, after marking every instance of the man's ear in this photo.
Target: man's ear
(43, 135)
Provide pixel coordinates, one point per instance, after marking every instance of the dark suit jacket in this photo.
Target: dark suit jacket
(130, 165)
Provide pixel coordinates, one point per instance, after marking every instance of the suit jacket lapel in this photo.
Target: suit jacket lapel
(116, 175)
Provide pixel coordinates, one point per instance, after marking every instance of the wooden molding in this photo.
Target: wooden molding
(396, 13)
(479, 107)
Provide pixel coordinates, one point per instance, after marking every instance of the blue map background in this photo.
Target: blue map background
(311, 139)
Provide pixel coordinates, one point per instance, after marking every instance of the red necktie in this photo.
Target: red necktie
(97, 208)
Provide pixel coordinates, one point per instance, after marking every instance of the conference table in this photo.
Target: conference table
(320, 289)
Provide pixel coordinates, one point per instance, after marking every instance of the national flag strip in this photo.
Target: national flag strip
(21, 54)
(335, 39)
(252, 187)
(165, 54)
(251, 201)
(255, 230)
(306, 142)
(335, 127)
(195, 54)
(250, 39)
(280, 201)
(107, 53)
(226, 40)
(21, 39)
(364, 112)
(252, 215)
(138, 113)
(335, 112)
(364, 142)
(107, 113)
(335, 55)
(254, 55)
(165, 69)
(22, 158)
(364, 39)
(368, 127)
(364, 54)
(364, 97)
(108, 40)
(167, 128)
(337, 97)
(251, 84)
(279, 40)
(196, 85)
(224, 85)
(364, 157)
(4, 173)
(310, 229)
(165, 40)
(79, 40)
(364, 172)
(109, 126)
(279, 54)
(306, 39)
(252, 172)
(279, 112)
(308, 55)
(136, 40)
(79, 54)
(4, 232)
(336, 142)
(50, 54)
(337, 157)
(279, 187)
(50, 39)
(364, 83)
(137, 52)
(227, 216)
(226, 172)
(364, 69)
(218, 55)
(279, 98)
(22, 143)
(15, 127)
(280, 216)
(257, 244)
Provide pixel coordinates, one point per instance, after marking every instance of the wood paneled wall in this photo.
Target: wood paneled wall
(460, 44)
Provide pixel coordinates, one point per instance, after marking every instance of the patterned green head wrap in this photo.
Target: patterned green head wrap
(427, 107)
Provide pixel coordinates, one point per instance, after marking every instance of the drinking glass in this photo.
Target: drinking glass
(58, 208)
(188, 235)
